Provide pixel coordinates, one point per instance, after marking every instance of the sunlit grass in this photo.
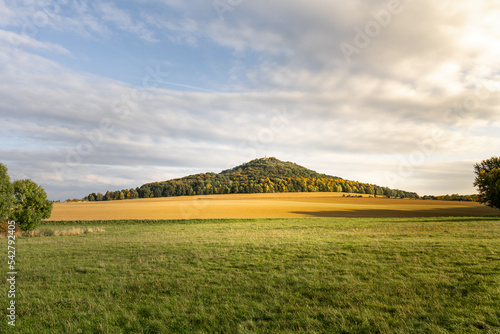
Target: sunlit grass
(48, 232)
(420, 275)
(53, 231)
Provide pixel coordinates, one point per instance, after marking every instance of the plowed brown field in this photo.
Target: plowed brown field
(281, 205)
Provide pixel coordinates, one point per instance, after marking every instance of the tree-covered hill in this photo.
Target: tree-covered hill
(266, 175)
(271, 167)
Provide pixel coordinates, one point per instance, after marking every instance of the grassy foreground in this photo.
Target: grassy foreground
(411, 275)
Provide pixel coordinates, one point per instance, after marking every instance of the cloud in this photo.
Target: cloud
(99, 21)
(177, 30)
(108, 12)
(433, 44)
(6, 15)
(20, 40)
(426, 86)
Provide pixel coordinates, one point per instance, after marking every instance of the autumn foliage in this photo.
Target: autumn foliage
(268, 175)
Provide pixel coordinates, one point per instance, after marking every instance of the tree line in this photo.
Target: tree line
(211, 183)
(454, 197)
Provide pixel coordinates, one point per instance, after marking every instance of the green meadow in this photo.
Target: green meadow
(325, 275)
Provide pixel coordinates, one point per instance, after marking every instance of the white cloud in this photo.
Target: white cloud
(356, 120)
(431, 44)
(6, 15)
(108, 11)
(20, 40)
(92, 21)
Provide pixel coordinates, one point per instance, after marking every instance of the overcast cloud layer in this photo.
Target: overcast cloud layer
(108, 95)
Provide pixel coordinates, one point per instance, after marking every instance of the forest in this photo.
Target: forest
(266, 175)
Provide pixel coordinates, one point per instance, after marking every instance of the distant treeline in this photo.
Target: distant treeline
(454, 197)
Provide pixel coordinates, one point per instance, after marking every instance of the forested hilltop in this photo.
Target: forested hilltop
(266, 175)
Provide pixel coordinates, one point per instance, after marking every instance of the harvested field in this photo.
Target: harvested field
(281, 205)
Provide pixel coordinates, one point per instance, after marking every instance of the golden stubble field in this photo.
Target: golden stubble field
(280, 205)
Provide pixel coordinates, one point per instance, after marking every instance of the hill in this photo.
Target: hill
(265, 175)
(271, 167)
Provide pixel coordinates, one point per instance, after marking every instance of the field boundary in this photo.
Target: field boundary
(118, 222)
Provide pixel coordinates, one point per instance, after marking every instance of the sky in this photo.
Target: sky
(105, 95)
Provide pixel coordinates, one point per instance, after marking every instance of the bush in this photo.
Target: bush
(4, 230)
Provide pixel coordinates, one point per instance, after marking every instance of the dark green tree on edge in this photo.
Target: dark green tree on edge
(6, 193)
(488, 181)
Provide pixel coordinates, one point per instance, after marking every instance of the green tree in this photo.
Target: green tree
(144, 191)
(108, 196)
(133, 193)
(157, 191)
(30, 204)
(6, 193)
(488, 181)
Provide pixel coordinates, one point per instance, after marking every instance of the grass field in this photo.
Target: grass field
(280, 205)
(324, 275)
